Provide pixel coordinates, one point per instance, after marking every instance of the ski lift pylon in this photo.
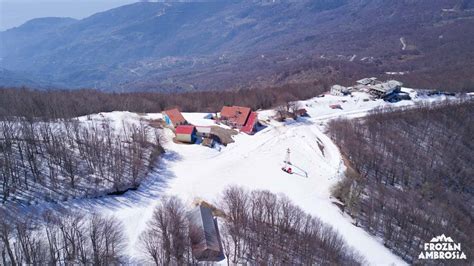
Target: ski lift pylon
(287, 161)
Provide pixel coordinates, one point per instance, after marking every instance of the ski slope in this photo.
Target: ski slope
(254, 162)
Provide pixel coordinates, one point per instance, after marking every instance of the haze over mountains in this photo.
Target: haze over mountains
(225, 45)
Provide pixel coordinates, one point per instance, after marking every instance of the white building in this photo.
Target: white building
(386, 88)
(338, 90)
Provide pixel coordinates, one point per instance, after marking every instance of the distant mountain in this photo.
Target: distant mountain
(228, 44)
(12, 79)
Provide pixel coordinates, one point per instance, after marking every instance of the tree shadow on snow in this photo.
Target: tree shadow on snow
(149, 190)
(299, 121)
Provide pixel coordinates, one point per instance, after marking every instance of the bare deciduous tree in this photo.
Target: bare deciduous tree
(410, 171)
(166, 240)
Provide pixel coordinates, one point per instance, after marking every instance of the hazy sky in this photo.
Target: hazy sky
(15, 12)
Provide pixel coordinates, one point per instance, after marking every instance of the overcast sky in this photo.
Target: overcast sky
(16, 12)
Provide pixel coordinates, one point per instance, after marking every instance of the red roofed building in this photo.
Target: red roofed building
(174, 118)
(249, 126)
(186, 133)
(239, 117)
(235, 116)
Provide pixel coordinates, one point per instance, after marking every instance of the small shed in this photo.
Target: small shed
(204, 233)
(186, 133)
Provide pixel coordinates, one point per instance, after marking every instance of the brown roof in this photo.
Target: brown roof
(175, 116)
(235, 114)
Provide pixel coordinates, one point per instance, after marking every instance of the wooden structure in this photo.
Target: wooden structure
(204, 233)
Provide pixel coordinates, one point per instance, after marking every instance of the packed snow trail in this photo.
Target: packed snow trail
(253, 162)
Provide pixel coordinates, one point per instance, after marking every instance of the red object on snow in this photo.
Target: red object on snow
(248, 127)
(185, 129)
(335, 106)
(287, 170)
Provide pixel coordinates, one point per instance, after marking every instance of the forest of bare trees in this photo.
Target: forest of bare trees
(256, 227)
(409, 175)
(259, 228)
(65, 159)
(264, 228)
(166, 240)
(64, 238)
(67, 104)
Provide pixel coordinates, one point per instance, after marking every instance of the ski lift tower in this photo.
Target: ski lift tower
(287, 162)
(287, 158)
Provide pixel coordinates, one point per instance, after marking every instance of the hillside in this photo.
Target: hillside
(412, 170)
(227, 44)
(252, 162)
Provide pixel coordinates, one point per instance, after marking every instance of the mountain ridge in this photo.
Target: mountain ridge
(223, 45)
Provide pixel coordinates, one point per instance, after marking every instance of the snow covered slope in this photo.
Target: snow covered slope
(254, 162)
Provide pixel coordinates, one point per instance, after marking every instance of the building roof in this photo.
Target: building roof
(337, 87)
(380, 87)
(366, 81)
(248, 127)
(235, 114)
(185, 129)
(203, 231)
(395, 83)
(175, 116)
(388, 86)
